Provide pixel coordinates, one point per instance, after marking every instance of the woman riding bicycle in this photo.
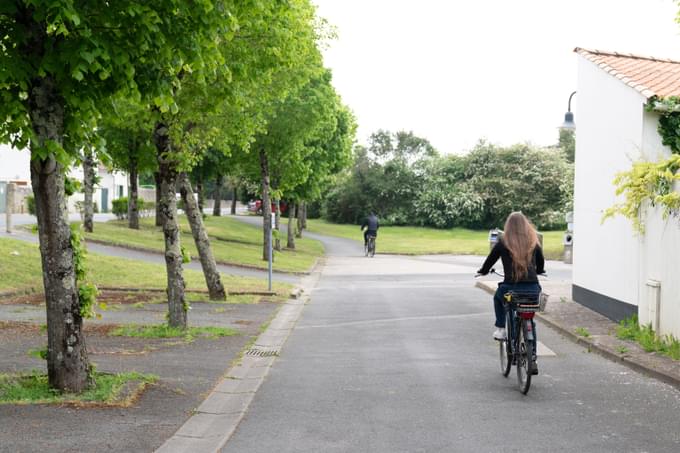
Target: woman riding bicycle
(523, 261)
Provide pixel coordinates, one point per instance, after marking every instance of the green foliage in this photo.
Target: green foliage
(38, 353)
(538, 182)
(186, 256)
(647, 182)
(30, 204)
(567, 143)
(87, 291)
(71, 186)
(33, 388)
(582, 332)
(445, 201)
(165, 331)
(404, 180)
(669, 120)
(630, 329)
(119, 207)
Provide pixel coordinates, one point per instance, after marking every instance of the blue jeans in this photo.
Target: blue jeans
(498, 300)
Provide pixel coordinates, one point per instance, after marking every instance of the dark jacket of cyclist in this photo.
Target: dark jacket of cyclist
(371, 224)
(523, 261)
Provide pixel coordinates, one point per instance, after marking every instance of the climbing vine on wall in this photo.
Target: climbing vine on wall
(647, 182)
(652, 182)
(669, 121)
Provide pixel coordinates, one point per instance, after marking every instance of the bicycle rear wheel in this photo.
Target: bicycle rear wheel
(372, 247)
(524, 351)
(505, 347)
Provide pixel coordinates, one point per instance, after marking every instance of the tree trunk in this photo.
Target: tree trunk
(212, 276)
(298, 231)
(217, 196)
(304, 215)
(291, 227)
(177, 307)
(277, 225)
(266, 206)
(68, 368)
(201, 199)
(88, 189)
(133, 195)
(159, 213)
(234, 192)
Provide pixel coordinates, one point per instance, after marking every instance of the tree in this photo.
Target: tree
(89, 178)
(59, 60)
(286, 57)
(126, 128)
(385, 178)
(536, 181)
(445, 199)
(567, 142)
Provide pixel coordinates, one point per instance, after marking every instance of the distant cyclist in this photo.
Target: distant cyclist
(523, 261)
(371, 224)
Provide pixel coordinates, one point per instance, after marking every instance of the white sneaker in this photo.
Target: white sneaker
(499, 334)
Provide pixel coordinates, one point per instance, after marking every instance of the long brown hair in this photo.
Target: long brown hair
(520, 238)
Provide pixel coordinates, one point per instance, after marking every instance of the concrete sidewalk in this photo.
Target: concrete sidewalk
(567, 316)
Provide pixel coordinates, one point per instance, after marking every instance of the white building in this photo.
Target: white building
(15, 167)
(616, 271)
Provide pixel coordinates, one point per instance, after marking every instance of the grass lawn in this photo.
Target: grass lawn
(33, 388)
(232, 242)
(20, 270)
(422, 241)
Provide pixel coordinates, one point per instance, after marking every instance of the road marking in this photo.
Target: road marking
(381, 321)
(544, 351)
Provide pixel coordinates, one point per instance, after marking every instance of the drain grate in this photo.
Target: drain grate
(262, 352)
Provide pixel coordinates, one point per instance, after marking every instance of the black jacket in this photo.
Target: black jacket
(537, 265)
(370, 223)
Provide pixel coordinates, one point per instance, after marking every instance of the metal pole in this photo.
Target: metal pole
(270, 257)
(9, 206)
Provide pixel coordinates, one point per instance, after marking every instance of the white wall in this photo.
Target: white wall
(610, 258)
(659, 250)
(14, 165)
(608, 137)
(111, 181)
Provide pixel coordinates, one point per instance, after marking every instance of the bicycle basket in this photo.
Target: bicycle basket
(525, 302)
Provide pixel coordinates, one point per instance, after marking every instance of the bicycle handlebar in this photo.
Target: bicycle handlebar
(493, 271)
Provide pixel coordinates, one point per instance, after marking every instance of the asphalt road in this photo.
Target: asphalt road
(394, 354)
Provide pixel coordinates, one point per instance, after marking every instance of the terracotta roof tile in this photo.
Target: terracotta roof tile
(649, 75)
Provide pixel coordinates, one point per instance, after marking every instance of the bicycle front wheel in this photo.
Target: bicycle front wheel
(524, 351)
(506, 359)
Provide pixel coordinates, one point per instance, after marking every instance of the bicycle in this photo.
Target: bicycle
(519, 346)
(369, 248)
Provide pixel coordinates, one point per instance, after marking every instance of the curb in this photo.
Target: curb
(216, 419)
(605, 352)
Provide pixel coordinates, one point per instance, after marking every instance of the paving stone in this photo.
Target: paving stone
(225, 403)
(238, 386)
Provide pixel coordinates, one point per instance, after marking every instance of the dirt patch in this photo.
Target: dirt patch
(24, 299)
(107, 297)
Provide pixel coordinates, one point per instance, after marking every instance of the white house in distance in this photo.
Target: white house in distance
(616, 271)
(15, 167)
